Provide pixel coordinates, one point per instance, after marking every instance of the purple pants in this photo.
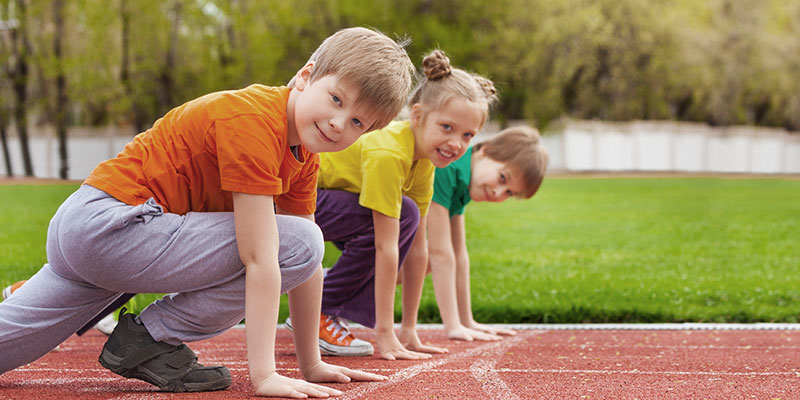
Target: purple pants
(349, 289)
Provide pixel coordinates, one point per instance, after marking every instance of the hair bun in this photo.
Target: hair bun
(487, 86)
(436, 65)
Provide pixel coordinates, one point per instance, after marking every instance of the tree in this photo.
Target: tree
(18, 46)
(62, 101)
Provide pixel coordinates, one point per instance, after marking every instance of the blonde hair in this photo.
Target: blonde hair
(520, 148)
(377, 65)
(442, 83)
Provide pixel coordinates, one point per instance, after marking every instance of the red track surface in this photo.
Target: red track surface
(552, 364)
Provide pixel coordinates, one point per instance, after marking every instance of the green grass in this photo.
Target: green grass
(582, 250)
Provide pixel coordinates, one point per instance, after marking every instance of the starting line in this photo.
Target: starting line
(686, 326)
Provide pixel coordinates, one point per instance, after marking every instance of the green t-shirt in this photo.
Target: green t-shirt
(451, 184)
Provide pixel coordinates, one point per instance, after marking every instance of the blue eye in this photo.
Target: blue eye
(502, 178)
(357, 122)
(336, 99)
(469, 135)
(447, 127)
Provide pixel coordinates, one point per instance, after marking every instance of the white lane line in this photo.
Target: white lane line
(677, 326)
(609, 372)
(586, 346)
(685, 326)
(410, 372)
(484, 372)
(63, 381)
(639, 372)
(138, 396)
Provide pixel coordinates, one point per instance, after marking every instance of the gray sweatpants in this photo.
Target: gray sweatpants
(99, 248)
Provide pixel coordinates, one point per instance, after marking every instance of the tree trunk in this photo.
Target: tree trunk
(139, 117)
(21, 49)
(62, 102)
(167, 79)
(6, 155)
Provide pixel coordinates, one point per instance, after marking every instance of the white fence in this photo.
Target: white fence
(672, 147)
(580, 146)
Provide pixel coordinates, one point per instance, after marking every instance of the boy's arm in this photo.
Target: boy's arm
(304, 306)
(257, 241)
(459, 240)
(387, 233)
(414, 270)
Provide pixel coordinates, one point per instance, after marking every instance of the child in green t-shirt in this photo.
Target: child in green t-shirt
(511, 163)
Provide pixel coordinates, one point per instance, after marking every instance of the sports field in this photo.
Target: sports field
(584, 249)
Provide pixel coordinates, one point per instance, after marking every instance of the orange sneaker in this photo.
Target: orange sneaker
(11, 289)
(335, 338)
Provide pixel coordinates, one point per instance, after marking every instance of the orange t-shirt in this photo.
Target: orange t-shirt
(200, 152)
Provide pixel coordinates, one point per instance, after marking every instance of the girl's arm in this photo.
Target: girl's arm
(443, 266)
(387, 234)
(459, 240)
(414, 270)
(257, 241)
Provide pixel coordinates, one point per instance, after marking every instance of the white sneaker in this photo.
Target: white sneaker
(11, 288)
(107, 324)
(335, 338)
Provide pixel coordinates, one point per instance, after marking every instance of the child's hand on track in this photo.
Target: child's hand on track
(390, 348)
(276, 385)
(494, 330)
(324, 372)
(410, 339)
(464, 333)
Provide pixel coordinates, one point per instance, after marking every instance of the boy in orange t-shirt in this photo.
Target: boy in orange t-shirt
(214, 204)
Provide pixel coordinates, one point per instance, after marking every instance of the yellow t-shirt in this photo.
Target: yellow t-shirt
(200, 152)
(380, 167)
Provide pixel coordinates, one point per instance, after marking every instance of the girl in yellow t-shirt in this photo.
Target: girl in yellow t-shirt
(373, 199)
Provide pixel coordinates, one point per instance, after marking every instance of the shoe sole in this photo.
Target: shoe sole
(6, 292)
(112, 363)
(328, 349)
(344, 351)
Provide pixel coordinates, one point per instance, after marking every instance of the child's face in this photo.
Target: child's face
(327, 116)
(443, 135)
(492, 180)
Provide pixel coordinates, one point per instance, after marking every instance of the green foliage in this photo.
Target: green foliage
(722, 62)
(582, 250)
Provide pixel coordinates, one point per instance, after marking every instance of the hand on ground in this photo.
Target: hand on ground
(280, 386)
(324, 372)
(494, 330)
(389, 348)
(410, 340)
(464, 333)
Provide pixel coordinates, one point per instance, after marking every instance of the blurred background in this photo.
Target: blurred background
(615, 85)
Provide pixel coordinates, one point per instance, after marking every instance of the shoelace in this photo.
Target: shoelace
(338, 328)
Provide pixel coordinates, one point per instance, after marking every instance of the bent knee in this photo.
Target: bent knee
(409, 212)
(312, 241)
(302, 248)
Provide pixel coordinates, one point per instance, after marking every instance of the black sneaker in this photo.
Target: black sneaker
(130, 351)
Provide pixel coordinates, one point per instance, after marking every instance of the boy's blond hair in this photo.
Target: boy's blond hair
(441, 83)
(377, 65)
(520, 149)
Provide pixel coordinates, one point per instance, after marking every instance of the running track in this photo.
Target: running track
(601, 362)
